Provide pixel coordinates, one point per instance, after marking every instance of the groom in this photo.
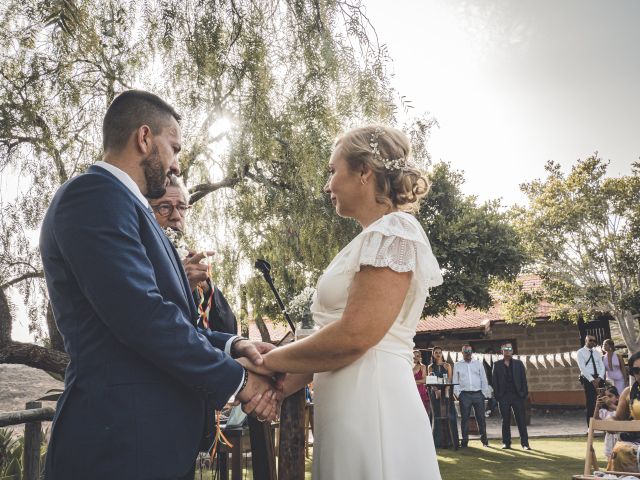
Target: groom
(140, 370)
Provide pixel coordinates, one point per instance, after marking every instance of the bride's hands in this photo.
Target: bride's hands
(278, 378)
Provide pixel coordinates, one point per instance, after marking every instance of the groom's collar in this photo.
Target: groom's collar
(125, 179)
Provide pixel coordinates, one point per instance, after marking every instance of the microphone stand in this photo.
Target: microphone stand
(292, 412)
(265, 269)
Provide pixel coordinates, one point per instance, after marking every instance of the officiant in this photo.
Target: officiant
(170, 211)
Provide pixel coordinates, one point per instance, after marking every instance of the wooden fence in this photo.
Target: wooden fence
(32, 419)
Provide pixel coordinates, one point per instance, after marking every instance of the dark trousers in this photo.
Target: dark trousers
(591, 394)
(475, 400)
(507, 403)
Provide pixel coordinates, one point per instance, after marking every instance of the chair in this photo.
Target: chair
(610, 426)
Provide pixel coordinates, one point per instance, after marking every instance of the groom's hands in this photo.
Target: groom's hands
(259, 398)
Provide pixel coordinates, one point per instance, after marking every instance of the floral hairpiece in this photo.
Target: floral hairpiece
(401, 163)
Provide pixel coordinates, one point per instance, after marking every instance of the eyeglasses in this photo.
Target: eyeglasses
(467, 351)
(166, 209)
(635, 370)
(507, 349)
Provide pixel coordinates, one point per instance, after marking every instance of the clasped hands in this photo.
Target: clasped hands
(263, 394)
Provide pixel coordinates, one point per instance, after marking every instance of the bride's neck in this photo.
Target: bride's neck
(372, 213)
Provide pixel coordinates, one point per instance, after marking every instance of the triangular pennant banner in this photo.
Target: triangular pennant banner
(567, 358)
(559, 359)
(534, 360)
(541, 361)
(551, 359)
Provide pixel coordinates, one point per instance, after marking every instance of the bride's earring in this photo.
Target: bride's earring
(363, 181)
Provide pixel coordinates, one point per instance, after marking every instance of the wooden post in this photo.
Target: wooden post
(262, 454)
(32, 444)
(291, 450)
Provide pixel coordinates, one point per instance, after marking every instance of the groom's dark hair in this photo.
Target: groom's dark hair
(128, 112)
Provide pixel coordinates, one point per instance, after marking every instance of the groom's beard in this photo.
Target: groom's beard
(154, 174)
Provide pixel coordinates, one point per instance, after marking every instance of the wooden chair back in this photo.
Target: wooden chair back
(610, 426)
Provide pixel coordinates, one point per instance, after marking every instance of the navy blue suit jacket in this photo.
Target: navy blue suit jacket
(140, 370)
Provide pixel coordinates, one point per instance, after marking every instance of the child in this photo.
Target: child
(606, 408)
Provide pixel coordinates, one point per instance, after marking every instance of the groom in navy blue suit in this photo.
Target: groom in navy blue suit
(140, 370)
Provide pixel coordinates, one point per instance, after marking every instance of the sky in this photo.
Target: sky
(513, 84)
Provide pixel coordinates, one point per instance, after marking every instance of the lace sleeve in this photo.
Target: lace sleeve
(397, 253)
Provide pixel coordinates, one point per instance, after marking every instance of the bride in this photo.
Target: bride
(369, 420)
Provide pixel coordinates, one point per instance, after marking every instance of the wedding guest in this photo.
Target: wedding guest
(420, 375)
(606, 409)
(591, 373)
(214, 311)
(511, 390)
(615, 372)
(471, 391)
(623, 456)
(440, 368)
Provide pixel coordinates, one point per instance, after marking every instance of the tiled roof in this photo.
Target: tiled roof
(464, 319)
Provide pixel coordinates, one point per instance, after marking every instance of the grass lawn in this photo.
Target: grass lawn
(552, 458)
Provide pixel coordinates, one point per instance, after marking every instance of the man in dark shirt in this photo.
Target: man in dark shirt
(511, 390)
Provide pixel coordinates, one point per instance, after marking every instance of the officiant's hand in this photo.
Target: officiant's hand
(196, 272)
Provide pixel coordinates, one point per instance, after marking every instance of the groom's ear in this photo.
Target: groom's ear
(143, 138)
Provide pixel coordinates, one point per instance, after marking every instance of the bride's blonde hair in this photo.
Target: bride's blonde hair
(386, 152)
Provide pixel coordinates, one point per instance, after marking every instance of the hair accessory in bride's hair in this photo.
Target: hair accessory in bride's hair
(401, 163)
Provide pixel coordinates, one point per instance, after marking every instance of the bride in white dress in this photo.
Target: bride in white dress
(369, 420)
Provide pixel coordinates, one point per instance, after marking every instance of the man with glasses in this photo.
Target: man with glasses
(591, 372)
(511, 389)
(471, 389)
(170, 211)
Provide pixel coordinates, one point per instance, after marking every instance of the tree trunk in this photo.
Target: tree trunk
(54, 334)
(34, 356)
(264, 331)
(5, 319)
(629, 329)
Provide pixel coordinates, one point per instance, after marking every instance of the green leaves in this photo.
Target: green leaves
(581, 233)
(475, 245)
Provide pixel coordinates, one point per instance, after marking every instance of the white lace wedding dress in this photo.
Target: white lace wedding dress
(370, 422)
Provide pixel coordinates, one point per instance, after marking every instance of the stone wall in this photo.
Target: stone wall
(548, 386)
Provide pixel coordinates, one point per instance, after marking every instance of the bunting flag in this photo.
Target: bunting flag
(567, 358)
(550, 359)
(547, 360)
(541, 361)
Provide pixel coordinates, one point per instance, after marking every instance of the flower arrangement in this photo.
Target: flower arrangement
(299, 305)
(177, 239)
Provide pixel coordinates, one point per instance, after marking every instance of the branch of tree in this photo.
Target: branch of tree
(38, 274)
(34, 356)
(200, 191)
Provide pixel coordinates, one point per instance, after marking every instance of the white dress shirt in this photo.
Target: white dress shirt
(128, 182)
(470, 377)
(586, 369)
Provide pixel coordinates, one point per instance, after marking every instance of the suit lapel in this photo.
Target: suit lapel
(169, 248)
(175, 261)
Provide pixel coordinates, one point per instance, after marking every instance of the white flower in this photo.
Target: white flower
(299, 305)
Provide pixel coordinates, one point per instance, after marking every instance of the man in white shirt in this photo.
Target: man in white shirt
(471, 389)
(591, 372)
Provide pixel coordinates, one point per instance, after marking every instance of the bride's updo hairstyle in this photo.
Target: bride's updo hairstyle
(386, 152)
